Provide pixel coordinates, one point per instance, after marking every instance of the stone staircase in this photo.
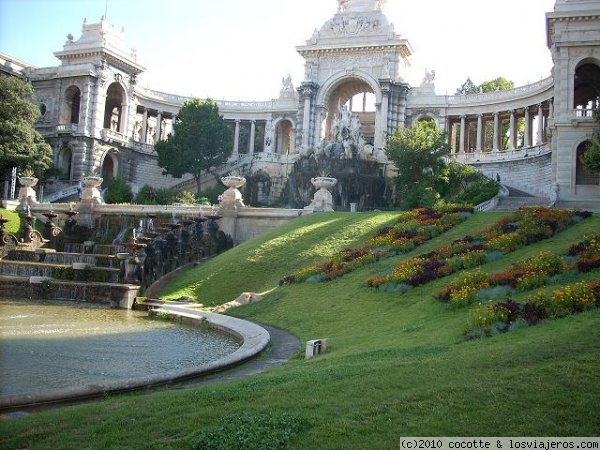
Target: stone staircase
(518, 199)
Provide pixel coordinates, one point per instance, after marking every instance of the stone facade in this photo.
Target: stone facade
(98, 119)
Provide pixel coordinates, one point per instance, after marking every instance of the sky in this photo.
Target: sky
(241, 49)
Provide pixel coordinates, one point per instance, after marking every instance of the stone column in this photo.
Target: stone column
(307, 93)
(236, 141)
(124, 119)
(252, 136)
(540, 134)
(145, 126)
(496, 144)
(158, 126)
(527, 142)
(461, 141)
(479, 144)
(512, 142)
(383, 116)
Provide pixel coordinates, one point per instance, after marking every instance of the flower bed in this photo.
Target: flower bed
(524, 275)
(488, 319)
(524, 227)
(412, 228)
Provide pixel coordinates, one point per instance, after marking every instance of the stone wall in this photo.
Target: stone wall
(532, 175)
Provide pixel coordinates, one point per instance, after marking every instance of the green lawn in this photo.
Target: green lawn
(15, 221)
(397, 365)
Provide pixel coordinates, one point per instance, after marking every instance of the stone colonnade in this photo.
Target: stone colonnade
(152, 125)
(472, 133)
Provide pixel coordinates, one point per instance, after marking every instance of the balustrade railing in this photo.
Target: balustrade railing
(502, 155)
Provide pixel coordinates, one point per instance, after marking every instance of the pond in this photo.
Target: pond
(51, 346)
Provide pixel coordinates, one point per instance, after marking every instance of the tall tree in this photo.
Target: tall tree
(20, 144)
(200, 141)
(418, 153)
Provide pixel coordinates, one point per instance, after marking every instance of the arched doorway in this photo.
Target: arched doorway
(587, 88)
(583, 176)
(71, 105)
(110, 167)
(114, 109)
(64, 162)
(284, 137)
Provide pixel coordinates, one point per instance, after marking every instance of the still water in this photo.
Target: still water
(44, 347)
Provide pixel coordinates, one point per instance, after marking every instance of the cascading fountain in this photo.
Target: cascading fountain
(346, 156)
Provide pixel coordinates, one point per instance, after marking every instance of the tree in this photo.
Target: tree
(418, 154)
(591, 157)
(468, 87)
(200, 141)
(20, 144)
(497, 84)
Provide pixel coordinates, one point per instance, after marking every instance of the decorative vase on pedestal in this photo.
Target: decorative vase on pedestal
(232, 197)
(27, 195)
(323, 200)
(91, 194)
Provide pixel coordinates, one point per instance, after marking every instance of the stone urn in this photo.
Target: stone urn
(27, 195)
(323, 200)
(232, 197)
(91, 194)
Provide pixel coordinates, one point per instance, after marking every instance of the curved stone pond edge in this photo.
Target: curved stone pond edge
(254, 340)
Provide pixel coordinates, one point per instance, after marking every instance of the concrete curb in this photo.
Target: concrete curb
(253, 337)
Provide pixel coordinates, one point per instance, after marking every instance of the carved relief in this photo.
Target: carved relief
(351, 61)
(353, 25)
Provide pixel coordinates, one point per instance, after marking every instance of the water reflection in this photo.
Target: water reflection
(55, 346)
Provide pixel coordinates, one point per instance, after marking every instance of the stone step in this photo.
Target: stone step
(514, 203)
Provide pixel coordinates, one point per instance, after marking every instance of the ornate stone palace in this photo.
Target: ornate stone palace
(354, 94)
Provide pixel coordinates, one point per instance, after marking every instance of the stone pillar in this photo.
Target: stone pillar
(383, 116)
(252, 136)
(479, 144)
(158, 127)
(452, 134)
(124, 119)
(496, 144)
(540, 133)
(512, 142)
(307, 93)
(527, 142)
(236, 141)
(462, 137)
(145, 126)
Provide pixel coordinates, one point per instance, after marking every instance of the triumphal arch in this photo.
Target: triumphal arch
(354, 94)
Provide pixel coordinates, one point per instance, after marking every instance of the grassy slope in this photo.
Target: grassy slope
(397, 366)
(15, 221)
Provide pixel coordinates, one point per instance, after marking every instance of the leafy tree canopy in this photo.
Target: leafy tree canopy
(497, 84)
(200, 141)
(418, 154)
(20, 144)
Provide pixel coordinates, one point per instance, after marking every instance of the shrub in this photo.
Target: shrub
(249, 432)
(118, 191)
(151, 196)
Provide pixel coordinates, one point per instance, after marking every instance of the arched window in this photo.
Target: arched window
(71, 105)
(587, 88)
(583, 175)
(114, 108)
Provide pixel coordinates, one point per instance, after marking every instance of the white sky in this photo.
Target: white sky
(240, 49)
